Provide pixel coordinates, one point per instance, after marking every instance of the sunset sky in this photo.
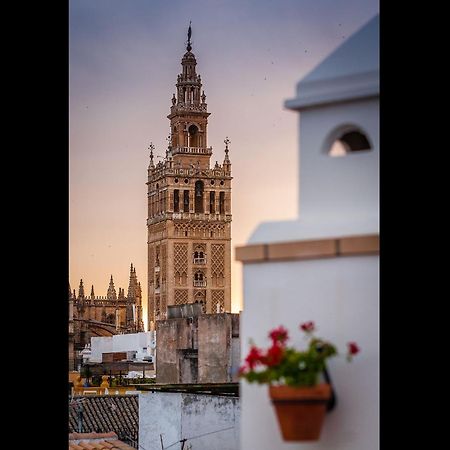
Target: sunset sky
(125, 56)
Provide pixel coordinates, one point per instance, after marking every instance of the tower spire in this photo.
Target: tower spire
(189, 46)
(111, 294)
(226, 161)
(132, 284)
(92, 292)
(81, 289)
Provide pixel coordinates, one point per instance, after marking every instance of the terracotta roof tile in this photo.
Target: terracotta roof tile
(74, 436)
(73, 446)
(86, 445)
(96, 441)
(106, 413)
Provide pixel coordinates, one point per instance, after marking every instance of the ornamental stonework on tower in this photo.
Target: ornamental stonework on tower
(189, 209)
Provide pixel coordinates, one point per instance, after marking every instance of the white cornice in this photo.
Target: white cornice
(333, 90)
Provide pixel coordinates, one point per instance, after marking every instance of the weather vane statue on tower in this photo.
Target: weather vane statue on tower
(189, 46)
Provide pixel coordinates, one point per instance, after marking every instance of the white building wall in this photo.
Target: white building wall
(133, 342)
(177, 416)
(159, 414)
(100, 345)
(341, 296)
(339, 187)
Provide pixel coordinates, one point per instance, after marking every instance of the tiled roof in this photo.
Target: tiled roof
(96, 441)
(106, 413)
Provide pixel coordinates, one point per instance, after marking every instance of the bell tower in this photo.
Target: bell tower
(189, 208)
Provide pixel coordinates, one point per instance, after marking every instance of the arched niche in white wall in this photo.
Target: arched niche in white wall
(346, 139)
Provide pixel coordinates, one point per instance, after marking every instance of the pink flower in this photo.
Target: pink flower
(307, 327)
(279, 334)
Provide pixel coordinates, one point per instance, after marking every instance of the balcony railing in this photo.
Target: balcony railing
(199, 283)
(194, 150)
(199, 260)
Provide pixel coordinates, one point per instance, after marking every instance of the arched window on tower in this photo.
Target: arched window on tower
(222, 202)
(199, 256)
(175, 137)
(200, 298)
(199, 196)
(212, 202)
(186, 201)
(199, 279)
(176, 200)
(193, 136)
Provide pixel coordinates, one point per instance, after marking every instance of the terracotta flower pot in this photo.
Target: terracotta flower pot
(300, 410)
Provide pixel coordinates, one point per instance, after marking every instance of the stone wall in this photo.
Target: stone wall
(203, 349)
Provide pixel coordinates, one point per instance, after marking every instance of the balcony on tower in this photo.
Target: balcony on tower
(199, 279)
(183, 107)
(199, 260)
(192, 150)
(199, 257)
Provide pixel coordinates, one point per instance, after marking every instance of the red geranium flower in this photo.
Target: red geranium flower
(279, 334)
(281, 364)
(353, 349)
(307, 327)
(242, 370)
(274, 355)
(254, 357)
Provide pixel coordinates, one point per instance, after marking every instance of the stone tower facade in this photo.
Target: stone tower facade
(189, 209)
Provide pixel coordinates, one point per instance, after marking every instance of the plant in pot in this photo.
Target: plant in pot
(299, 396)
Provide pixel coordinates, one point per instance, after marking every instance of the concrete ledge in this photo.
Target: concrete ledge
(301, 250)
(309, 249)
(255, 252)
(359, 244)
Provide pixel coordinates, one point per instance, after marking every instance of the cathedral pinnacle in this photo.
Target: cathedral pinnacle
(226, 142)
(81, 289)
(189, 46)
(151, 147)
(169, 145)
(111, 294)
